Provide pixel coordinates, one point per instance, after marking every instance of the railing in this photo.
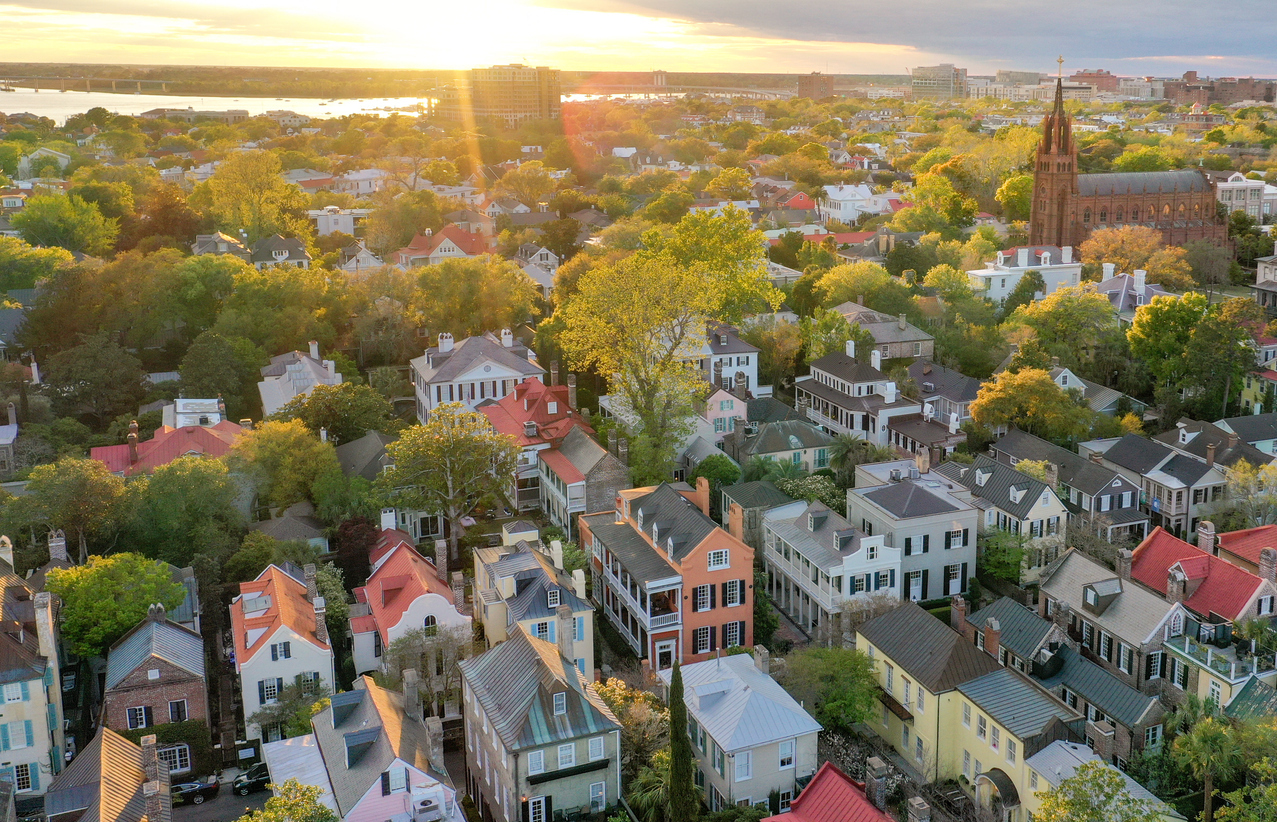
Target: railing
(639, 611)
(664, 620)
(1223, 661)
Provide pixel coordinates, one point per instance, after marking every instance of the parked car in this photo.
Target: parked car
(70, 752)
(68, 680)
(253, 779)
(194, 792)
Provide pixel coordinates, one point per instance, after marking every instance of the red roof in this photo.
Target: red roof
(403, 578)
(832, 796)
(530, 402)
(1247, 544)
(1214, 585)
(390, 539)
(167, 445)
(423, 245)
(288, 606)
(561, 465)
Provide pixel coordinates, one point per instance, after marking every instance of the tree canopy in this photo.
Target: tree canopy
(105, 597)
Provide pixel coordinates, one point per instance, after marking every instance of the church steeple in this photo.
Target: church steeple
(1054, 175)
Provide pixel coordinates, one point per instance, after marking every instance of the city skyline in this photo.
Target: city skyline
(636, 35)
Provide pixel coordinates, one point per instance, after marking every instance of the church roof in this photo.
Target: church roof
(1142, 182)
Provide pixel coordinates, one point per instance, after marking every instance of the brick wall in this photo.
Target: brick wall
(138, 689)
(605, 479)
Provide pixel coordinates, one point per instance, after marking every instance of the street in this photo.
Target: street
(226, 807)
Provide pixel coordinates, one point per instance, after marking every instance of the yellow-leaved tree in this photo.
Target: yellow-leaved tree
(1029, 399)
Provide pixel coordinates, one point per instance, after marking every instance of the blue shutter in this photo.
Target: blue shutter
(580, 629)
(580, 665)
(26, 691)
(875, 579)
(892, 583)
(552, 630)
(4, 736)
(26, 726)
(35, 777)
(53, 717)
(869, 582)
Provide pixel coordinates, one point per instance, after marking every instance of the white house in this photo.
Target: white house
(850, 396)
(847, 202)
(332, 219)
(293, 375)
(471, 371)
(1000, 276)
(731, 363)
(27, 162)
(278, 628)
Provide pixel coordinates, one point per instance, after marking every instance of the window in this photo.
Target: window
(431, 625)
(560, 703)
(22, 777)
(1216, 691)
(996, 742)
(552, 598)
(904, 737)
(700, 597)
(596, 748)
(536, 809)
(536, 762)
(871, 551)
(718, 559)
(891, 679)
(178, 758)
(982, 727)
(884, 716)
(908, 691)
(1265, 607)
(1090, 596)
(966, 764)
(786, 798)
(281, 650)
(1125, 657)
(920, 699)
(137, 718)
(177, 711)
(734, 593)
(953, 539)
(787, 753)
(744, 766)
(732, 634)
(13, 691)
(1010, 750)
(541, 630)
(598, 796)
(966, 715)
(1033, 779)
(883, 581)
(917, 748)
(718, 760)
(857, 584)
(700, 640)
(567, 755)
(1153, 736)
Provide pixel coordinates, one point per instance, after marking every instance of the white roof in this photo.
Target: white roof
(1060, 760)
(183, 412)
(740, 706)
(299, 758)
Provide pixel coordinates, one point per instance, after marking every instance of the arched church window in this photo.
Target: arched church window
(1117, 216)
(1104, 215)
(1181, 212)
(1150, 214)
(1197, 210)
(1086, 215)
(1166, 211)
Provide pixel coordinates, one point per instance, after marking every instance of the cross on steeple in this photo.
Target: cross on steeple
(1060, 73)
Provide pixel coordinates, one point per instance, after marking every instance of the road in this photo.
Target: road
(226, 807)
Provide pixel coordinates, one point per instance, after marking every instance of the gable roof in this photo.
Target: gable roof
(1133, 616)
(530, 402)
(168, 444)
(424, 245)
(832, 796)
(160, 638)
(1075, 471)
(364, 457)
(769, 409)
(1015, 702)
(399, 581)
(1098, 687)
(1021, 631)
(847, 368)
(946, 382)
(757, 494)
(832, 538)
(1248, 543)
(682, 524)
(104, 782)
(1010, 490)
(935, 655)
(1252, 428)
(1141, 182)
(776, 437)
(286, 606)
(740, 706)
(1061, 759)
(1221, 587)
(437, 366)
(515, 683)
(1202, 435)
(1137, 453)
(265, 248)
(1256, 701)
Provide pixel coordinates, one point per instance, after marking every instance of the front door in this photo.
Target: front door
(665, 654)
(915, 586)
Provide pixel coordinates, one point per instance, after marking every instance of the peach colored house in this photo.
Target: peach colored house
(675, 584)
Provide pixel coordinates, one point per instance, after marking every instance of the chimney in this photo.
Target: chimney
(556, 554)
(992, 637)
(902, 322)
(702, 494)
(763, 659)
(919, 810)
(1096, 457)
(411, 694)
(13, 414)
(507, 338)
(132, 440)
(718, 373)
(388, 522)
(155, 791)
(321, 626)
(1022, 257)
(312, 588)
(611, 441)
(6, 550)
(35, 373)
(1055, 362)
(875, 359)
(566, 632)
(572, 391)
(922, 460)
(1267, 563)
(1206, 536)
(1210, 455)
(441, 559)
(58, 546)
(851, 349)
(1124, 560)
(958, 614)
(156, 613)
(458, 583)
(1175, 585)
(1109, 269)
(876, 782)
(1066, 254)
(150, 757)
(736, 521)
(1232, 440)
(246, 424)
(1141, 277)
(623, 451)
(314, 349)
(554, 372)
(578, 583)
(445, 343)
(434, 742)
(953, 423)
(1052, 475)
(739, 381)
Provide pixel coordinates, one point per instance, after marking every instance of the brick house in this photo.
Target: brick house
(675, 585)
(155, 676)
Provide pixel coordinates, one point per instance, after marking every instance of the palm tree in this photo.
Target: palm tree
(785, 469)
(848, 451)
(1193, 710)
(757, 468)
(649, 794)
(1209, 752)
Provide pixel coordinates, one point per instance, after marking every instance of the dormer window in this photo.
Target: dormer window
(552, 407)
(1091, 597)
(981, 477)
(552, 598)
(280, 254)
(1016, 494)
(560, 703)
(1183, 436)
(1064, 380)
(639, 520)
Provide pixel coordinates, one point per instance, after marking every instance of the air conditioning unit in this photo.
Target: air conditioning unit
(426, 810)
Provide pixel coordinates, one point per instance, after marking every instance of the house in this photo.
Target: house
(293, 375)
(278, 629)
(167, 444)
(947, 391)
(155, 676)
(578, 477)
(29, 164)
(915, 433)
(112, 780)
(794, 441)
(1015, 503)
(279, 250)
(1207, 441)
(519, 587)
(296, 522)
(916, 511)
(538, 736)
(334, 219)
(1111, 620)
(372, 756)
(850, 396)
(832, 796)
(754, 498)
(749, 737)
(673, 583)
(366, 458)
(894, 337)
(539, 255)
(1099, 398)
(433, 247)
(1127, 292)
(1264, 289)
(1258, 430)
(356, 258)
(403, 593)
(729, 362)
(816, 561)
(220, 243)
(919, 663)
(1253, 702)
(1175, 485)
(1210, 586)
(471, 371)
(845, 202)
(1001, 275)
(1095, 495)
(1246, 549)
(1060, 760)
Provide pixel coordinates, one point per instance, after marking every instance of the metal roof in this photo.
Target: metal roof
(1255, 701)
(635, 553)
(1076, 471)
(1060, 760)
(792, 523)
(1015, 702)
(1000, 480)
(1133, 617)
(740, 706)
(909, 498)
(1119, 183)
(1021, 631)
(1100, 688)
(165, 640)
(935, 655)
(681, 521)
(105, 781)
(758, 494)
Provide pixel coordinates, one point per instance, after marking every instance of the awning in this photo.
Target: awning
(597, 765)
(1006, 788)
(892, 705)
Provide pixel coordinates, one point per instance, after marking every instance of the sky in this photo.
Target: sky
(1133, 37)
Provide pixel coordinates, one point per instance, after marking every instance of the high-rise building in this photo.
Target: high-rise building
(816, 86)
(1100, 78)
(510, 93)
(942, 82)
(1017, 78)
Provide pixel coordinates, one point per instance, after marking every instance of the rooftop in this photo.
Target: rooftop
(935, 655)
(1016, 703)
(1213, 584)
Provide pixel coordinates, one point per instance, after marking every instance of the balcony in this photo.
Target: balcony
(1227, 662)
(662, 609)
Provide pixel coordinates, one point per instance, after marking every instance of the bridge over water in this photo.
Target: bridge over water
(657, 91)
(84, 83)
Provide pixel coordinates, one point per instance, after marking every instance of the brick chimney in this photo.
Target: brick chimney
(992, 638)
(321, 627)
(132, 441)
(411, 694)
(572, 391)
(458, 585)
(554, 372)
(876, 782)
(958, 615)
(1061, 614)
(736, 521)
(1097, 457)
(922, 459)
(312, 588)
(1124, 560)
(1268, 564)
(1210, 455)
(702, 495)
(1206, 536)
(612, 441)
(566, 632)
(1176, 584)
(1052, 476)
(441, 559)
(155, 791)
(1232, 440)
(718, 373)
(919, 810)
(623, 451)
(763, 659)
(1103, 739)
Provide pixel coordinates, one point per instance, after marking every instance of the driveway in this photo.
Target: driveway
(225, 807)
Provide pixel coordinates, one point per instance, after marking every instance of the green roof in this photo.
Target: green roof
(1254, 701)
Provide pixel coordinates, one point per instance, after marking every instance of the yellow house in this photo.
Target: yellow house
(1060, 760)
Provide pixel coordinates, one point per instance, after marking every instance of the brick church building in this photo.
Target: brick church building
(1068, 206)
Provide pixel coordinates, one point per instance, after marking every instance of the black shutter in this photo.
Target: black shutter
(385, 787)
(964, 577)
(892, 580)
(523, 810)
(740, 632)
(150, 719)
(549, 807)
(908, 546)
(288, 650)
(713, 596)
(1161, 670)
(1148, 666)
(713, 638)
(279, 685)
(925, 574)
(695, 604)
(274, 652)
(926, 543)
(966, 537)
(261, 692)
(726, 598)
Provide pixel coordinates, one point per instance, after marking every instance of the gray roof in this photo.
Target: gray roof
(1000, 480)
(769, 409)
(1205, 434)
(934, 654)
(679, 520)
(104, 782)
(189, 608)
(1098, 397)
(532, 602)
(581, 450)
(832, 539)
(291, 526)
(1060, 760)
(774, 438)
(907, 499)
(847, 368)
(739, 706)
(1100, 688)
(1253, 428)
(639, 558)
(758, 494)
(515, 683)
(264, 249)
(734, 345)
(1015, 702)
(1021, 631)
(166, 640)
(1142, 182)
(1185, 469)
(1137, 454)
(1133, 616)
(471, 351)
(1122, 293)
(1076, 471)
(363, 457)
(951, 384)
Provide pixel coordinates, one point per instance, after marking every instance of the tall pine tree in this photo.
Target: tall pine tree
(684, 805)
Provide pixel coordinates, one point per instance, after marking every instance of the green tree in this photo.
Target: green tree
(645, 724)
(77, 496)
(249, 192)
(347, 412)
(1209, 264)
(950, 283)
(281, 308)
(1002, 555)
(105, 597)
(1029, 285)
(669, 206)
(849, 451)
(838, 684)
(450, 464)
(865, 281)
(766, 620)
(1031, 400)
(530, 183)
(1160, 333)
(721, 471)
(649, 791)
(1257, 800)
(1095, 792)
(468, 296)
(1220, 354)
(778, 343)
(22, 266)
(812, 488)
(293, 707)
(1144, 158)
(284, 460)
(828, 332)
(1211, 753)
(213, 368)
(182, 508)
(1016, 197)
(1069, 319)
(684, 806)
(292, 802)
(1133, 247)
(66, 222)
(730, 184)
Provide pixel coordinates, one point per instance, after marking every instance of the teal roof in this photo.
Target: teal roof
(1254, 701)
(1015, 703)
(165, 640)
